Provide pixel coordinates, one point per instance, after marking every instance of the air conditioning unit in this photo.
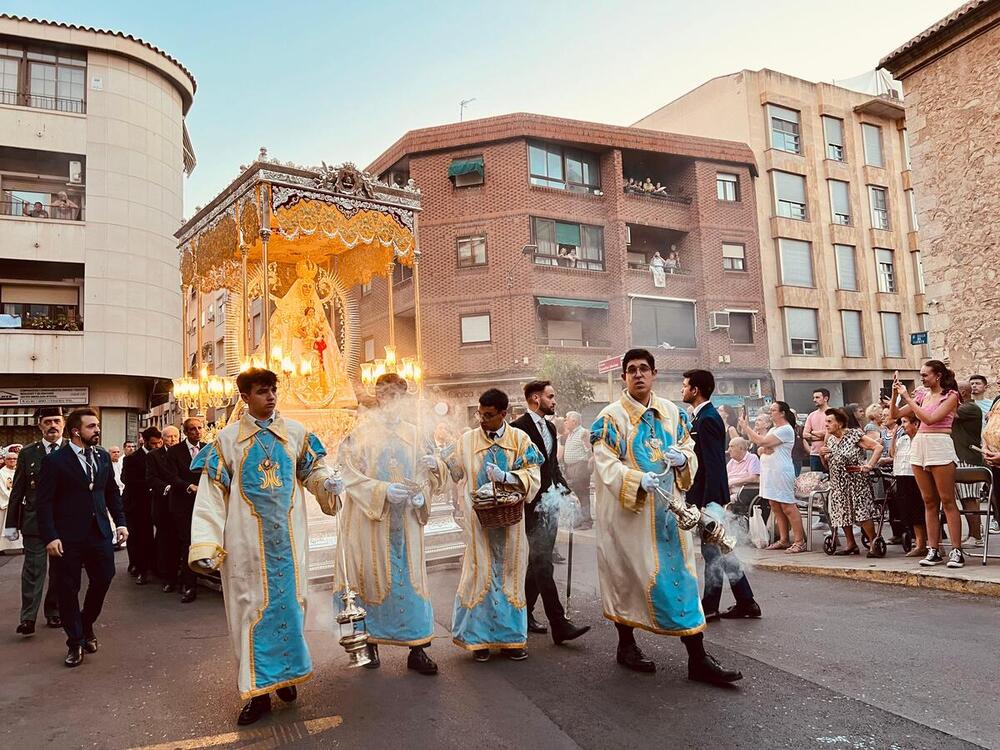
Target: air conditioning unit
(753, 388)
(75, 172)
(718, 320)
(628, 235)
(810, 347)
(725, 387)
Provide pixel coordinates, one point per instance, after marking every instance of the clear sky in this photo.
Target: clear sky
(340, 81)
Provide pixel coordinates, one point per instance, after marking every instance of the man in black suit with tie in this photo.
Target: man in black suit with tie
(711, 485)
(138, 502)
(76, 490)
(541, 521)
(166, 541)
(183, 490)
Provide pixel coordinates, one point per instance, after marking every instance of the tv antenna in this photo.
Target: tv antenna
(461, 107)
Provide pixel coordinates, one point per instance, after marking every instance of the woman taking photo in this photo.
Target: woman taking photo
(777, 475)
(932, 454)
(845, 454)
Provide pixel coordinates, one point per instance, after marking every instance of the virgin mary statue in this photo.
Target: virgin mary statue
(299, 326)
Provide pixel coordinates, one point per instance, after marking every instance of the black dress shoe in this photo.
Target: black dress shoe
(707, 669)
(534, 626)
(742, 610)
(288, 694)
(712, 616)
(90, 644)
(188, 595)
(373, 661)
(481, 654)
(27, 627)
(53, 622)
(567, 632)
(632, 657)
(515, 654)
(169, 588)
(141, 579)
(253, 710)
(419, 661)
(75, 656)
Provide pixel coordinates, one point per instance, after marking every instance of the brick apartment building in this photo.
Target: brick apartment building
(503, 196)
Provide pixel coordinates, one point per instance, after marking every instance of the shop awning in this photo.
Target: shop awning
(17, 416)
(560, 302)
(466, 166)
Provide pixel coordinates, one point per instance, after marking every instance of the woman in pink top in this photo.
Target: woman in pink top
(932, 455)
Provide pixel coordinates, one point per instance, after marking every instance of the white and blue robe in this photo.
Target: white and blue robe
(384, 542)
(644, 561)
(250, 519)
(490, 609)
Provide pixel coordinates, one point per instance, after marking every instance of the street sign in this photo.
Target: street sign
(609, 365)
(44, 396)
(919, 338)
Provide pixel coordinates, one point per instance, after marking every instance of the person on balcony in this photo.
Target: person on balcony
(657, 266)
(647, 186)
(672, 264)
(567, 256)
(37, 211)
(64, 208)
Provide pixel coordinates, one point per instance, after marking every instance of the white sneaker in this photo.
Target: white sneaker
(973, 542)
(933, 558)
(995, 526)
(956, 559)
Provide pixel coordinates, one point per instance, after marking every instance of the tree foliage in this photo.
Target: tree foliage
(569, 378)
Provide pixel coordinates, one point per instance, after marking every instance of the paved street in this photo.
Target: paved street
(835, 664)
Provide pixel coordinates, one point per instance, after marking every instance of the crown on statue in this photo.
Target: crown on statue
(306, 269)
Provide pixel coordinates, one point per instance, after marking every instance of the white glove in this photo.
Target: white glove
(496, 474)
(397, 493)
(674, 458)
(334, 485)
(649, 481)
(11, 535)
(429, 462)
(417, 501)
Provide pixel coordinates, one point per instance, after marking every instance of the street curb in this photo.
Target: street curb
(956, 583)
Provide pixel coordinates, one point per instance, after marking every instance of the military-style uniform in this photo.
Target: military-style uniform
(21, 515)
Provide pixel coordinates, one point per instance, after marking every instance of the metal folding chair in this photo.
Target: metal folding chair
(975, 475)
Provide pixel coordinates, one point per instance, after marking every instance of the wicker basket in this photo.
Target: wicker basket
(501, 512)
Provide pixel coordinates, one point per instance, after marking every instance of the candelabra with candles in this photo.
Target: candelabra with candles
(408, 368)
(280, 363)
(204, 392)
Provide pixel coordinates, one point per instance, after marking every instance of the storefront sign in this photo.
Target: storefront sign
(44, 396)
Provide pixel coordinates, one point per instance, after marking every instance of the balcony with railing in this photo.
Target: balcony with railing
(570, 323)
(43, 77)
(41, 296)
(656, 257)
(654, 188)
(41, 185)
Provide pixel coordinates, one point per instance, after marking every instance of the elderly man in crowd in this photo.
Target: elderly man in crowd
(579, 461)
(743, 467)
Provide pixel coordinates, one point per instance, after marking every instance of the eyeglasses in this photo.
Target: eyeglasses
(640, 370)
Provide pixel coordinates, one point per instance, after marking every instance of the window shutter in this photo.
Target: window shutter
(801, 322)
(853, 340)
(796, 263)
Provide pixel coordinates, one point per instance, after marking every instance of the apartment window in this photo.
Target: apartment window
(785, 134)
(220, 356)
(741, 327)
(847, 268)
(854, 342)
(475, 329)
(872, 138)
(790, 195)
(220, 308)
(41, 295)
(840, 202)
(802, 327)
(471, 251)
(727, 186)
(366, 289)
(733, 257)
(568, 322)
(833, 132)
(904, 137)
(568, 245)
(796, 262)
(43, 77)
(369, 349)
(886, 270)
(918, 271)
(892, 334)
(911, 203)
(878, 197)
(467, 171)
(554, 166)
(660, 321)
(401, 273)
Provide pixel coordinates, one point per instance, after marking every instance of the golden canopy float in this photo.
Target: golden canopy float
(293, 241)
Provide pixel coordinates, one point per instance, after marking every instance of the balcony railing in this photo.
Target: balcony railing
(575, 343)
(661, 193)
(37, 210)
(584, 264)
(40, 322)
(39, 101)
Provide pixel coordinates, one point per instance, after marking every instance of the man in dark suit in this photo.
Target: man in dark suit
(76, 491)
(711, 485)
(183, 490)
(138, 500)
(167, 543)
(541, 520)
(22, 519)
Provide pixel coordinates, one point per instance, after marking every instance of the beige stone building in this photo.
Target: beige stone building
(950, 74)
(840, 259)
(93, 150)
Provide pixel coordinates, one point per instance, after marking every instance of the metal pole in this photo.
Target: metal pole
(392, 308)
(265, 294)
(247, 337)
(199, 357)
(186, 343)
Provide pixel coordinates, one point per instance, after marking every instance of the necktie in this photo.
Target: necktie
(546, 437)
(491, 435)
(91, 469)
(194, 450)
(52, 447)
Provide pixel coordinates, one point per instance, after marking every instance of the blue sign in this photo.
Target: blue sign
(918, 338)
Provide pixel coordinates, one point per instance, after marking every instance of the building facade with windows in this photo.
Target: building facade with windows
(949, 74)
(93, 150)
(840, 258)
(538, 235)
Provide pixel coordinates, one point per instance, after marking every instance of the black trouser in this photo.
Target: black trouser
(182, 509)
(97, 555)
(141, 545)
(33, 567)
(717, 566)
(695, 644)
(167, 544)
(578, 476)
(541, 529)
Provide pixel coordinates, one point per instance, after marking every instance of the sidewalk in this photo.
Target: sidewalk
(894, 568)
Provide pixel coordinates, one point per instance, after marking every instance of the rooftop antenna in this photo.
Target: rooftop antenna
(461, 107)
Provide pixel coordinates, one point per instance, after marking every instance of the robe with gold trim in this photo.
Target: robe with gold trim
(645, 562)
(250, 519)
